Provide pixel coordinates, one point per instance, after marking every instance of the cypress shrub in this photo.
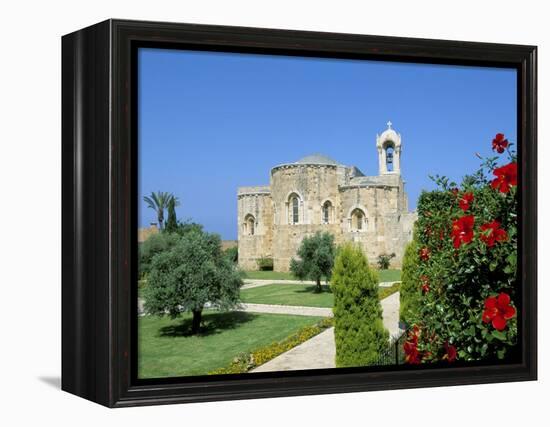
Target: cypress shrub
(358, 327)
(409, 293)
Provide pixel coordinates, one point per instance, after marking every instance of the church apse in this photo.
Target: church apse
(316, 193)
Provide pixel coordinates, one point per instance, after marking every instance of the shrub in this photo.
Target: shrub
(232, 254)
(384, 261)
(410, 291)
(316, 258)
(467, 251)
(189, 275)
(154, 245)
(265, 263)
(384, 292)
(359, 331)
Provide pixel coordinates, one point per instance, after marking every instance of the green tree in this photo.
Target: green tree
(316, 258)
(155, 244)
(190, 275)
(410, 291)
(188, 226)
(359, 331)
(172, 222)
(159, 202)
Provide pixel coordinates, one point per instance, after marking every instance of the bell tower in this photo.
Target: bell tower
(389, 151)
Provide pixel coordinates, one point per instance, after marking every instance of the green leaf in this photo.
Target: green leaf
(499, 335)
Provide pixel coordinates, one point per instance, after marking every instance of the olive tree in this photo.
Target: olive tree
(316, 258)
(192, 274)
(154, 245)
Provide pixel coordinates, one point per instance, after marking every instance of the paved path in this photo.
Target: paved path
(320, 351)
(255, 283)
(390, 313)
(287, 309)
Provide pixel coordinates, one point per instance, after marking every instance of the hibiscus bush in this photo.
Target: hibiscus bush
(461, 291)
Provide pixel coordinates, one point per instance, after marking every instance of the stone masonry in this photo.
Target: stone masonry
(317, 193)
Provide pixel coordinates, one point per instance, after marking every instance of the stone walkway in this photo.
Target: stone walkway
(320, 351)
(255, 283)
(390, 314)
(296, 310)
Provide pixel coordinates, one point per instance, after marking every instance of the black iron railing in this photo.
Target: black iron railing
(394, 354)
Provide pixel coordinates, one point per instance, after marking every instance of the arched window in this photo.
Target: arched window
(249, 223)
(295, 209)
(389, 158)
(327, 212)
(358, 220)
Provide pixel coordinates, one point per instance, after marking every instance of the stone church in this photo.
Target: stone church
(317, 193)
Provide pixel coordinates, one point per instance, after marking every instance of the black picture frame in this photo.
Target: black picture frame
(99, 210)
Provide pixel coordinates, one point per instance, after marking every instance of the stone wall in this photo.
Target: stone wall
(314, 185)
(255, 202)
(145, 233)
(387, 228)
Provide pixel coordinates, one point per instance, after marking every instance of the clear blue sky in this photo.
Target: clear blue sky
(211, 122)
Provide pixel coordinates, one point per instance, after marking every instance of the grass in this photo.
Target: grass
(288, 294)
(269, 275)
(298, 294)
(385, 275)
(166, 349)
(389, 275)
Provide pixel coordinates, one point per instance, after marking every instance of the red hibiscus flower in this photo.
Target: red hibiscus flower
(498, 311)
(506, 177)
(450, 352)
(410, 347)
(500, 143)
(463, 230)
(465, 200)
(412, 355)
(425, 283)
(491, 233)
(425, 254)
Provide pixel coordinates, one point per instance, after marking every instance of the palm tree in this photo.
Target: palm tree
(159, 202)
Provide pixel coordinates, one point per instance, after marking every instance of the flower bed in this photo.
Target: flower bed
(462, 305)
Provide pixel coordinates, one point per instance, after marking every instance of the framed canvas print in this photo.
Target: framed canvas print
(259, 213)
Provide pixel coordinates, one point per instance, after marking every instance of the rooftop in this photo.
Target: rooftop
(317, 159)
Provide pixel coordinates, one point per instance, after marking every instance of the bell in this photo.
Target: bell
(389, 157)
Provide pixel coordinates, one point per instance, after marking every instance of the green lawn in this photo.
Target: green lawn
(269, 275)
(297, 294)
(385, 275)
(166, 349)
(389, 275)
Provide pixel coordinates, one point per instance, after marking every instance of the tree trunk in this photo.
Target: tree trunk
(197, 316)
(318, 288)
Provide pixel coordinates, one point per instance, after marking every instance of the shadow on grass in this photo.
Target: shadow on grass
(212, 323)
(325, 289)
